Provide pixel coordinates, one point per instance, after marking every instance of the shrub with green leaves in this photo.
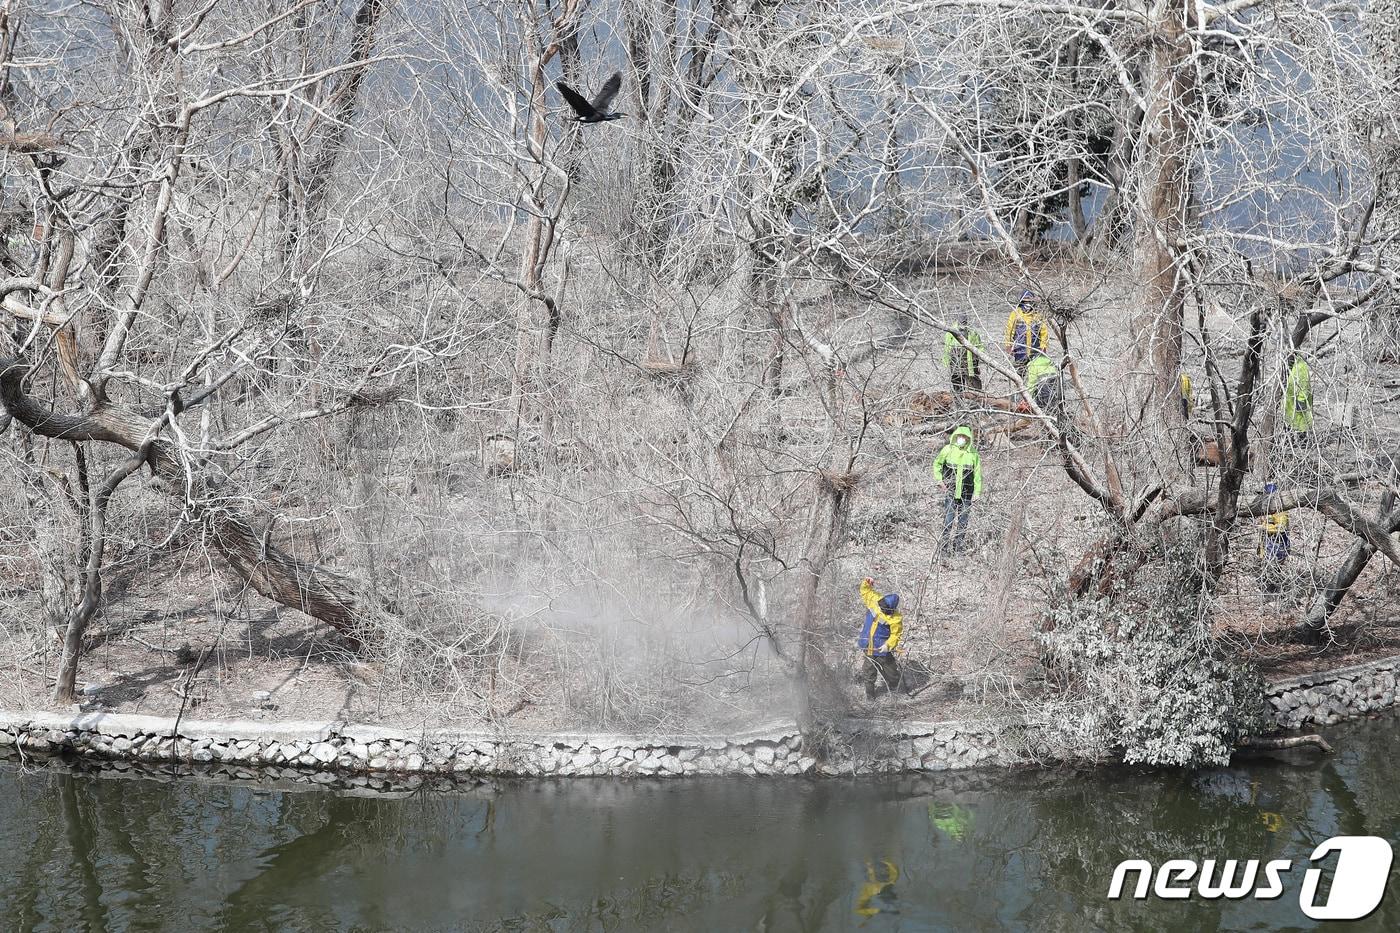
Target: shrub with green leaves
(1139, 672)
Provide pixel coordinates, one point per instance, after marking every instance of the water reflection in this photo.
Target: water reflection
(953, 852)
(876, 896)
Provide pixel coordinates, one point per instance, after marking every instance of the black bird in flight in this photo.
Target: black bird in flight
(595, 111)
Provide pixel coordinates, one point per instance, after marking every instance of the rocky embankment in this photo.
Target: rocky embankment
(1327, 698)
(855, 747)
(347, 747)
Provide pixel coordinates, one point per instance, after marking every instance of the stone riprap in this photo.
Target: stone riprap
(1327, 698)
(864, 747)
(857, 747)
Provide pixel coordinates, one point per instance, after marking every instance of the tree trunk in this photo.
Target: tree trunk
(344, 101)
(1165, 152)
(1111, 223)
(1074, 166)
(1234, 469)
(814, 678)
(1274, 743)
(1075, 173)
(531, 356)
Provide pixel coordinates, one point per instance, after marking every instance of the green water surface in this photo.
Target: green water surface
(84, 850)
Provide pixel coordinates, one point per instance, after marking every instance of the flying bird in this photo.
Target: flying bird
(595, 111)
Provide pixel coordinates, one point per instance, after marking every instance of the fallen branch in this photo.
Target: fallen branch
(1274, 743)
(1358, 556)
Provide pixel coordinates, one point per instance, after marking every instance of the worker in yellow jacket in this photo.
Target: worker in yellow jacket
(1274, 544)
(1187, 395)
(879, 636)
(1026, 331)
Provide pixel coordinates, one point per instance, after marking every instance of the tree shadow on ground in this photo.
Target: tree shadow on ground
(194, 651)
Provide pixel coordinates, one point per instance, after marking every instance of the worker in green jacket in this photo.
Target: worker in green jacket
(963, 365)
(1297, 396)
(959, 471)
(1043, 381)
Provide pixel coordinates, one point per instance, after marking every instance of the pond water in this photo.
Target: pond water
(84, 850)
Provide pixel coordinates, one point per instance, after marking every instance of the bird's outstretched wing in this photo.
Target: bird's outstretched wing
(607, 92)
(576, 100)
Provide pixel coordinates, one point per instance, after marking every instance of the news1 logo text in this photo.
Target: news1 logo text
(1358, 880)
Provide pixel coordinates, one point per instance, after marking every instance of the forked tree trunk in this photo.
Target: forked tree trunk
(1234, 460)
(96, 533)
(341, 106)
(320, 593)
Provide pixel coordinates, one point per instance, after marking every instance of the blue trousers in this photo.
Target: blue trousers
(956, 512)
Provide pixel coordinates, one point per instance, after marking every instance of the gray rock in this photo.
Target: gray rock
(324, 752)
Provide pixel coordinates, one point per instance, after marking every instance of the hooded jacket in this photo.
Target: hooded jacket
(952, 350)
(1274, 543)
(960, 467)
(1297, 397)
(1026, 330)
(882, 629)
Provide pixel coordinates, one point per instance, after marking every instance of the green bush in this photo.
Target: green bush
(1139, 672)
